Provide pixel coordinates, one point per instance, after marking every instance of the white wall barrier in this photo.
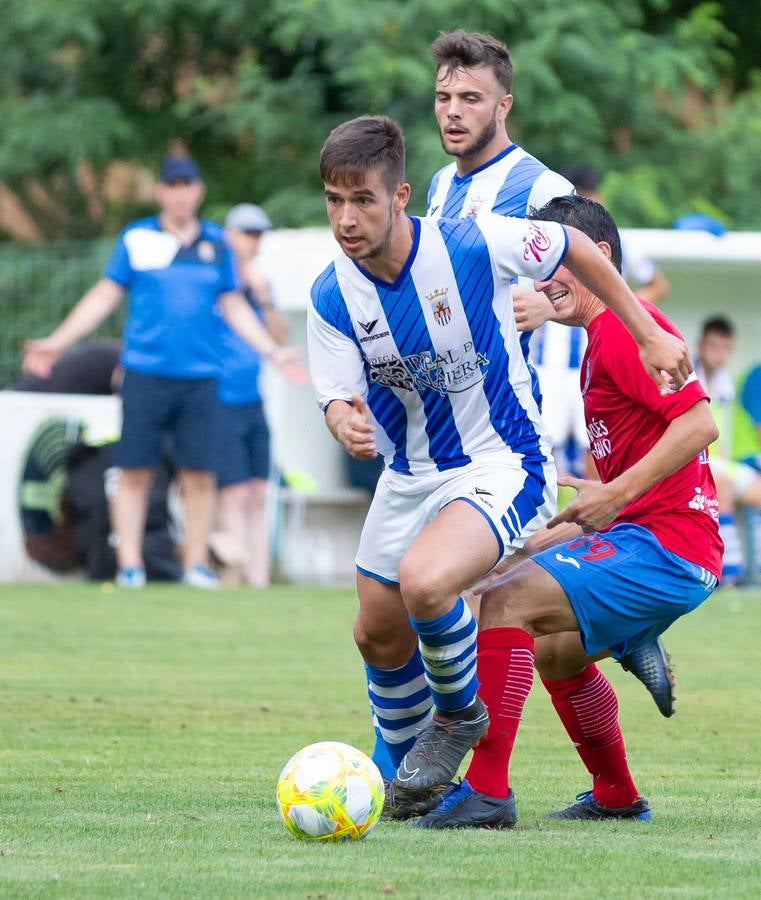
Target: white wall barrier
(317, 530)
(44, 424)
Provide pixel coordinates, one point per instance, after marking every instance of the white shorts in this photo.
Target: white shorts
(515, 501)
(562, 406)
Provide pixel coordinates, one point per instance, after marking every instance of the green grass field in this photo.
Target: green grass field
(141, 735)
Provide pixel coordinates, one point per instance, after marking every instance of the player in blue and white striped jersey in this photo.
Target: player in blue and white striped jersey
(489, 172)
(556, 352)
(501, 178)
(414, 352)
(473, 99)
(457, 276)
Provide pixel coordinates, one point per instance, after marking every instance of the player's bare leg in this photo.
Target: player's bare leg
(451, 552)
(382, 629)
(473, 596)
(394, 671)
(449, 555)
(562, 655)
(530, 604)
(516, 609)
(650, 664)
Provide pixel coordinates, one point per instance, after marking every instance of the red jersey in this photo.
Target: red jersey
(626, 415)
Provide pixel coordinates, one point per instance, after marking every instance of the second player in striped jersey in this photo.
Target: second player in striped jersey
(491, 173)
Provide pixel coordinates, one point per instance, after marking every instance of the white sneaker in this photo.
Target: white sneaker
(201, 577)
(131, 577)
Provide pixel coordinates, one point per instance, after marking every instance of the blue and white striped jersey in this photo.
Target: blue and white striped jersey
(511, 184)
(558, 347)
(437, 353)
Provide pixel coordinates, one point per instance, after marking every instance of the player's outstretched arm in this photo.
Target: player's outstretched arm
(94, 307)
(351, 425)
(664, 356)
(597, 504)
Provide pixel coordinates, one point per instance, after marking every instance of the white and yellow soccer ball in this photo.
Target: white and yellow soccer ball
(330, 791)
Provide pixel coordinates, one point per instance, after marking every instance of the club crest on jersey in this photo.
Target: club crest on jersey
(206, 251)
(440, 305)
(474, 206)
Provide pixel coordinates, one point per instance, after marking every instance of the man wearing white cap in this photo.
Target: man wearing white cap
(243, 452)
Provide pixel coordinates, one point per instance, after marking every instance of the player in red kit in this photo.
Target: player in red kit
(630, 555)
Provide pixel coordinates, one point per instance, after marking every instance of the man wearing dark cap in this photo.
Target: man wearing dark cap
(179, 273)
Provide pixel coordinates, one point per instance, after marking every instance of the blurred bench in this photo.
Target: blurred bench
(316, 534)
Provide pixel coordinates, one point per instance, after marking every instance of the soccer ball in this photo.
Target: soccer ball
(330, 791)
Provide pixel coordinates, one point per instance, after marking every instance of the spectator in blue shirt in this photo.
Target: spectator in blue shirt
(243, 458)
(177, 270)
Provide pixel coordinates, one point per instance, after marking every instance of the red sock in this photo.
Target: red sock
(505, 674)
(588, 708)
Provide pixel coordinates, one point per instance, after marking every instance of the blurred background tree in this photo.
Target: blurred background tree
(663, 96)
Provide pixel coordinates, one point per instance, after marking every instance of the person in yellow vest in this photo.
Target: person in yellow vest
(746, 423)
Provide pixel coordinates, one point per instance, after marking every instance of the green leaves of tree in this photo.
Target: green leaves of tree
(645, 91)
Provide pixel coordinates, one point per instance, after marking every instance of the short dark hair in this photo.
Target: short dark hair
(467, 49)
(720, 325)
(588, 216)
(583, 177)
(359, 145)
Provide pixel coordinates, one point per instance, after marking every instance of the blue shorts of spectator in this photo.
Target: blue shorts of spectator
(184, 410)
(624, 587)
(243, 440)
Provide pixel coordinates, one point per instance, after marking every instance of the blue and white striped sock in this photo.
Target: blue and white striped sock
(380, 755)
(448, 647)
(401, 703)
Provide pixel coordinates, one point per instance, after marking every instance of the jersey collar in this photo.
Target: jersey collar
(199, 235)
(461, 179)
(399, 280)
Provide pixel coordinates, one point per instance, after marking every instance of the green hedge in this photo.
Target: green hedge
(38, 286)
